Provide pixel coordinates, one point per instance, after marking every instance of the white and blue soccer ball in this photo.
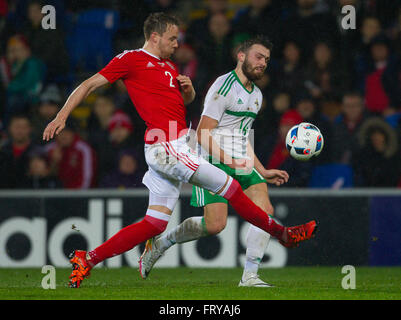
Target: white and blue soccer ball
(304, 141)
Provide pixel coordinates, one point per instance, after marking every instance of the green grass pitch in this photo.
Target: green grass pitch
(291, 283)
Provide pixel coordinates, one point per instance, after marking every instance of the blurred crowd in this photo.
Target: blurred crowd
(345, 81)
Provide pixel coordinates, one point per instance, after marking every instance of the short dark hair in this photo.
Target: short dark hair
(17, 116)
(352, 94)
(262, 40)
(158, 22)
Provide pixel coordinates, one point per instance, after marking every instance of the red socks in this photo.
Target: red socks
(126, 239)
(250, 211)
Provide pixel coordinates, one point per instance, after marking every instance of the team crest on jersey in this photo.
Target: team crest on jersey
(257, 103)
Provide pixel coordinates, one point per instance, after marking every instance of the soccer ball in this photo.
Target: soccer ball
(304, 141)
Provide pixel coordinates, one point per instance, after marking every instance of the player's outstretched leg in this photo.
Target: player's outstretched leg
(216, 180)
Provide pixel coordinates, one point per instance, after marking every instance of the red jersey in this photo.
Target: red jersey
(154, 90)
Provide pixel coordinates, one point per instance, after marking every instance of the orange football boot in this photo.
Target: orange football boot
(80, 268)
(297, 234)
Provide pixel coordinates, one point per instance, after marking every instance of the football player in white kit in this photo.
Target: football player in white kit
(230, 108)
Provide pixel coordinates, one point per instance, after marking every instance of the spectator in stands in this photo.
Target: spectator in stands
(310, 25)
(49, 105)
(39, 175)
(267, 122)
(215, 52)
(259, 17)
(198, 36)
(346, 127)
(370, 29)
(46, 44)
(187, 61)
(132, 14)
(72, 159)
(382, 83)
(16, 151)
(27, 74)
(120, 97)
(378, 163)
(279, 154)
(120, 136)
(384, 10)
(198, 29)
(325, 77)
(280, 158)
(126, 174)
(98, 122)
(290, 75)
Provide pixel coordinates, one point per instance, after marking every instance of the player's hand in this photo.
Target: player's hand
(277, 177)
(53, 128)
(185, 83)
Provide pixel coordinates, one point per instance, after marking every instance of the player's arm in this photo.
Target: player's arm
(214, 108)
(75, 98)
(205, 139)
(273, 176)
(186, 88)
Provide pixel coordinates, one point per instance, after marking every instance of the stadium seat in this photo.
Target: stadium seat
(393, 119)
(334, 176)
(90, 41)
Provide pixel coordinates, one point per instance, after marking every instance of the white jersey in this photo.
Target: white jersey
(235, 108)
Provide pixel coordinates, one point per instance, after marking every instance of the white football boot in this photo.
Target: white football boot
(149, 257)
(253, 280)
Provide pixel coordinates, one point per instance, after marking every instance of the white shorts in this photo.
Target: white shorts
(170, 164)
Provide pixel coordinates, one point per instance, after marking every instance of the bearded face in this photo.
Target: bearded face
(251, 72)
(255, 62)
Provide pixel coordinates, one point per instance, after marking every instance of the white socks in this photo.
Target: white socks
(190, 229)
(256, 243)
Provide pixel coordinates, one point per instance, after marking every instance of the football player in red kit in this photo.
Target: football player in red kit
(159, 94)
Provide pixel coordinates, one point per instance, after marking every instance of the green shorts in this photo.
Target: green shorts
(201, 197)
